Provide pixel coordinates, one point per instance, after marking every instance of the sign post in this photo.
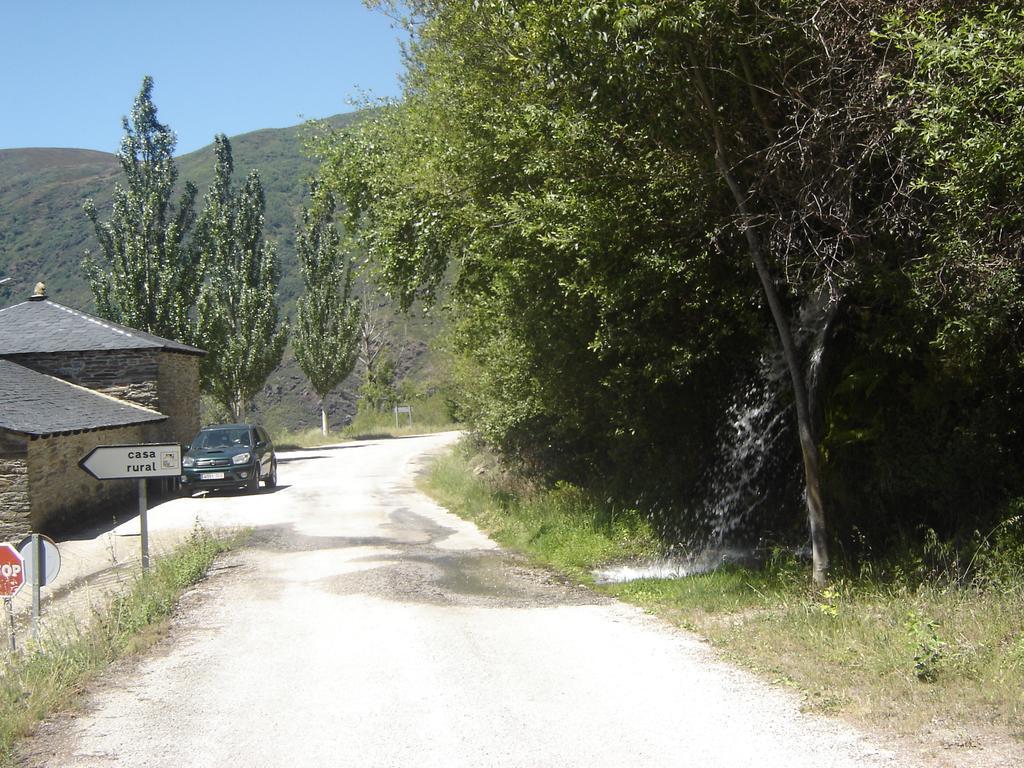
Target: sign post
(36, 548)
(144, 524)
(12, 578)
(42, 564)
(135, 462)
(9, 604)
(403, 409)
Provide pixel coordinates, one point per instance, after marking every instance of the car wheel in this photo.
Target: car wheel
(271, 481)
(253, 484)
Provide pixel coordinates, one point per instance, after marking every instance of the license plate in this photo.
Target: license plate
(211, 476)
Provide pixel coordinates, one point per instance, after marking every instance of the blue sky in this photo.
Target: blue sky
(70, 69)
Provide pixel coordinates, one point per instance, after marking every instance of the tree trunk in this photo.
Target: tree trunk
(805, 429)
(325, 427)
(808, 440)
(817, 368)
(238, 410)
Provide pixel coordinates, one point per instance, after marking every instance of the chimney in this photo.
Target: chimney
(39, 293)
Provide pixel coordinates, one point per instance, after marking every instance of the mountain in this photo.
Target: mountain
(43, 231)
(44, 234)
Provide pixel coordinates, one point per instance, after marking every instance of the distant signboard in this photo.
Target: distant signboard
(406, 409)
(127, 462)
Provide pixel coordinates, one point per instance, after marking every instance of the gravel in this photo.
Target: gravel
(365, 626)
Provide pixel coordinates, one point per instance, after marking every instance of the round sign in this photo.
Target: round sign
(50, 559)
(12, 571)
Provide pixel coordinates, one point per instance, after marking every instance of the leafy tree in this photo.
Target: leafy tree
(579, 301)
(796, 130)
(378, 389)
(327, 331)
(634, 199)
(924, 419)
(372, 330)
(144, 276)
(965, 124)
(237, 307)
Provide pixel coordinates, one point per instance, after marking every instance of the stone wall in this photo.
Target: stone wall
(14, 499)
(178, 397)
(129, 374)
(63, 494)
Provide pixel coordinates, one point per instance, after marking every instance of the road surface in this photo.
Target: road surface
(365, 626)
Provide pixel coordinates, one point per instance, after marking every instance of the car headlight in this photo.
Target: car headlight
(241, 458)
(188, 461)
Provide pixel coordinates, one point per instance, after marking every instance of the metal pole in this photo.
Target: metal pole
(37, 580)
(10, 615)
(143, 524)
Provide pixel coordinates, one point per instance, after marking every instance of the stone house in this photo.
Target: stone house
(70, 381)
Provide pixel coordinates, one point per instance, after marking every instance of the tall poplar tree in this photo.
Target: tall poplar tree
(143, 275)
(327, 332)
(237, 307)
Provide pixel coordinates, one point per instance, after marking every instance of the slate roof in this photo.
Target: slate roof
(46, 326)
(33, 403)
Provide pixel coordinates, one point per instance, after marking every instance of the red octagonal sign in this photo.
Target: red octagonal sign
(12, 571)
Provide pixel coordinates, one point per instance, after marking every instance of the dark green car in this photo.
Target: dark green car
(229, 456)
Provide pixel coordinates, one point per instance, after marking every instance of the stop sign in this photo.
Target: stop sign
(12, 571)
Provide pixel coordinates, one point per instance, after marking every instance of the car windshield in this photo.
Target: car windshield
(221, 438)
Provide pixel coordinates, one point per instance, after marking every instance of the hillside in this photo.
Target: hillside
(43, 231)
(44, 234)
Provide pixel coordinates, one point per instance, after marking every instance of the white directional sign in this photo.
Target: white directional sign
(125, 462)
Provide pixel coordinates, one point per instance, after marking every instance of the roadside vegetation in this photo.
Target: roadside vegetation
(563, 527)
(47, 676)
(929, 640)
(430, 413)
(781, 238)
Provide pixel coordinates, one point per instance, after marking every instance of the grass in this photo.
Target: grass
(893, 652)
(884, 654)
(430, 414)
(48, 675)
(563, 528)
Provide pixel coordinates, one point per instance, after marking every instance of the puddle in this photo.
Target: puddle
(405, 564)
(418, 574)
(477, 576)
(673, 568)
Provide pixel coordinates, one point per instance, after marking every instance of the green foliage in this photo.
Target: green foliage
(238, 305)
(144, 276)
(924, 405)
(997, 560)
(966, 128)
(929, 650)
(567, 167)
(327, 314)
(47, 677)
(430, 413)
(378, 391)
(581, 303)
(566, 526)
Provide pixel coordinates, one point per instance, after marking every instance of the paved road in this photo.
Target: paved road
(368, 627)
